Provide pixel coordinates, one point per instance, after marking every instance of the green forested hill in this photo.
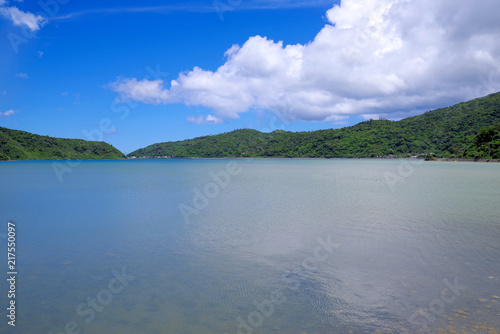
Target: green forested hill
(447, 132)
(21, 145)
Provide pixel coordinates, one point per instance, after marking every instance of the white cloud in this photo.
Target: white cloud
(209, 119)
(145, 91)
(40, 54)
(20, 18)
(8, 113)
(370, 116)
(22, 75)
(372, 57)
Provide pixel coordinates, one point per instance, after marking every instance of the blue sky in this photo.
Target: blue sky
(135, 73)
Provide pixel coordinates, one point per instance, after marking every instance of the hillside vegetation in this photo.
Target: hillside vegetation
(21, 145)
(464, 130)
(486, 144)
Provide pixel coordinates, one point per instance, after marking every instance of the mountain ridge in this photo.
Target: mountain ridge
(22, 145)
(466, 130)
(446, 132)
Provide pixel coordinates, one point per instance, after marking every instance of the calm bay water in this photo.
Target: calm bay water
(253, 246)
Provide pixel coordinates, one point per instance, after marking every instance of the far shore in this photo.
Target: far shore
(264, 158)
(364, 158)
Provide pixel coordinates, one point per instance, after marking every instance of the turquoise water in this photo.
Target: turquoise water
(253, 246)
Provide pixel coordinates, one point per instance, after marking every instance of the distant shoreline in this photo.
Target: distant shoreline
(264, 158)
(469, 160)
(315, 158)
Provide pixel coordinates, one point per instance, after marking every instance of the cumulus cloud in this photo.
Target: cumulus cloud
(209, 119)
(20, 18)
(145, 91)
(372, 58)
(8, 113)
